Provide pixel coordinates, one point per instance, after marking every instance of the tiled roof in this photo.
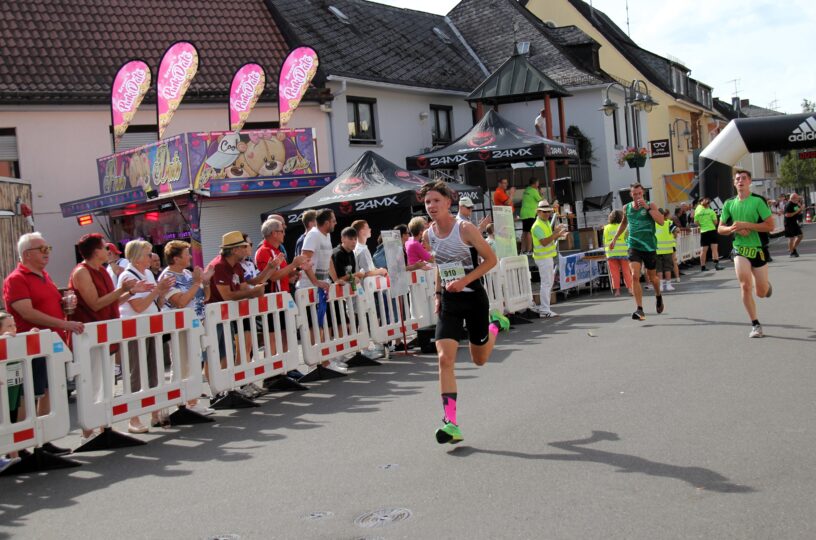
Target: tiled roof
(516, 80)
(654, 67)
(547, 52)
(380, 43)
(570, 35)
(752, 111)
(68, 51)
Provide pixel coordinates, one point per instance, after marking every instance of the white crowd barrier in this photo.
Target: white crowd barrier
(391, 316)
(418, 295)
(430, 290)
(494, 285)
(95, 352)
(688, 245)
(265, 327)
(343, 330)
(517, 287)
(16, 355)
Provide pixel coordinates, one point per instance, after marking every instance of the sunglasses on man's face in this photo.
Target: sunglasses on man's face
(42, 249)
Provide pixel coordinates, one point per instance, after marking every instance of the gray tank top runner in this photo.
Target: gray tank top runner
(451, 248)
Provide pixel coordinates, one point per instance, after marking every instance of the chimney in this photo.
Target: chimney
(743, 103)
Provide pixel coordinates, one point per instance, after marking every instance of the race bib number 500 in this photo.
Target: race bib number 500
(450, 272)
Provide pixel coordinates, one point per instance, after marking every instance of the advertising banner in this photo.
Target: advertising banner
(176, 71)
(296, 73)
(266, 154)
(160, 167)
(395, 262)
(247, 86)
(129, 87)
(574, 270)
(679, 186)
(504, 232)
(659, 148)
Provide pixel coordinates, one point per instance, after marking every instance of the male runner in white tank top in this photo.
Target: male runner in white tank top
(460, 296)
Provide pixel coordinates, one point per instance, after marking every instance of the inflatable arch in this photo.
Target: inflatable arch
(749, 135)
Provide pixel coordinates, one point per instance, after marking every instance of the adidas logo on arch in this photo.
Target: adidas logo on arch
(805, 132)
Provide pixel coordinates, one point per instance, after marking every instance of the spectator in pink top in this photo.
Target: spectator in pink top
(413, 247)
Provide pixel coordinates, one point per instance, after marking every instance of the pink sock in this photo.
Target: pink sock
(449, 405)
(493, 329)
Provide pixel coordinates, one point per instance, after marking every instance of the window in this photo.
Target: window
(135, 136)
(770, 163)
(441, 124)
(9, 161)
(361, 126)
(615, 128)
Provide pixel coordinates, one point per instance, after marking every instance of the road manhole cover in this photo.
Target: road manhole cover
(382, 517)
(317, 516)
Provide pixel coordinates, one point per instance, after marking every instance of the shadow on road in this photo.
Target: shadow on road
(697, 477)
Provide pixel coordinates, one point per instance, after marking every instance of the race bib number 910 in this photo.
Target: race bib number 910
(450, 272)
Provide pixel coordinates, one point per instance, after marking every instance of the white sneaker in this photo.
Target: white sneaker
(756, 331)
(668, 286)
(200, 409)
(334, 365)
(246, 392)
(547, 314)
(257, 390)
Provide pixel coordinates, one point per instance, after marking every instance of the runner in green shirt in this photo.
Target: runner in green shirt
(640, 217)
(706, 218)
(739, 217)
(529, 202)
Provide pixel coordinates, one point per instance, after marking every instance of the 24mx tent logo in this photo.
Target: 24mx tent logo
(373, 204)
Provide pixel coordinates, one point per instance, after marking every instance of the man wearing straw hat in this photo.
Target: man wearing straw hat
(544, 252)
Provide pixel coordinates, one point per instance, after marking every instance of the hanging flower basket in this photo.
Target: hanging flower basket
(634, 157)
(636, 162)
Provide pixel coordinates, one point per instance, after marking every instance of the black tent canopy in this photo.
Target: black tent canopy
(372, 184)
(493, 140)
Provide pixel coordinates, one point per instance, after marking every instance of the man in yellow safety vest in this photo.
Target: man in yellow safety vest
(544, 252)
(665, 247)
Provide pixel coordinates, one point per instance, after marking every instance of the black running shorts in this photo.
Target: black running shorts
(470, 308)
(709, 238)
(646, 258)
(754, 254)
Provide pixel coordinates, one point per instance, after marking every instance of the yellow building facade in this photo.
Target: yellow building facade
(671, 119)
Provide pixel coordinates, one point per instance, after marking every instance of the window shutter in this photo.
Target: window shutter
(8, 148)
(136, 139)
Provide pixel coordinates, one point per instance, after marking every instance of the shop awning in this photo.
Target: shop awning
(234, 187)
(98, 203)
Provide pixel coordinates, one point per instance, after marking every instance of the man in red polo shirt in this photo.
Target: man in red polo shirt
(502, 196)
(34, 301)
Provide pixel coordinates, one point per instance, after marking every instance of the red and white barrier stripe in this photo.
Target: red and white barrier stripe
(16, 354)
(517, 286)
(94, 357)
(494, 286)
(392, 317)
(343, 330)
(266, 358)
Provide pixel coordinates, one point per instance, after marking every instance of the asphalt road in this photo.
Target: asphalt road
(589, 426)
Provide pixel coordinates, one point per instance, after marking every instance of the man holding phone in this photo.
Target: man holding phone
(640, 216)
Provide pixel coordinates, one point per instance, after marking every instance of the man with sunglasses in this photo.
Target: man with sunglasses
(34, 301)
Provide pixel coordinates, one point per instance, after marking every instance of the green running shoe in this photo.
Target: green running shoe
(503, 322)
(449, 433)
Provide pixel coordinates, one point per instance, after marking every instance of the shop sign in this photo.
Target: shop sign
(225, 155)
(239, 186)
(659, 148)
(159, 167)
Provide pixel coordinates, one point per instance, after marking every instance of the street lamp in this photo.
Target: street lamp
(674, 132)
(636, 97)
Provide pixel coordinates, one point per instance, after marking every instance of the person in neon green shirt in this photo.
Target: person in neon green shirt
(529, 201)
(617, 260)
(745, 217)
(706, 218)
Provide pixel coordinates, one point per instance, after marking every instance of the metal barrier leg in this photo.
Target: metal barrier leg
(39, 460)
(320, 373)
(284, 383)
(232, 400)
(361, 360)
(185, 417)
(109, 440)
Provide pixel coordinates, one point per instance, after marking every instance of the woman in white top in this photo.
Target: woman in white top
(137, 252)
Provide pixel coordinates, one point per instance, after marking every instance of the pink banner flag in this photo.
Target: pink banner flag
(177, 69)
(129, 87)
(296, 73)
(247, 85)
